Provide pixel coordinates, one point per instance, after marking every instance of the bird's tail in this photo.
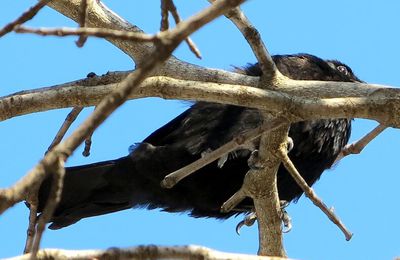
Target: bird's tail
(134, 181)
(91, 190)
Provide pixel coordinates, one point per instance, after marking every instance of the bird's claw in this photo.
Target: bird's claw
(286, 220)
(205, 152)
(248, 220)
(251, 218)
(290, 144)
(254, 162)
(284, 203)
(222, 160)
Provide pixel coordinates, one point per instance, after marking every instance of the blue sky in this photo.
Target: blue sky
(364, 189)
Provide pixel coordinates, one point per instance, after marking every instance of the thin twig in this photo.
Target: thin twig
(88, 144)
(82, 22)
(310, 192)
(65, 126)
(235, 199)
(164, 15)
(97, 32)
(26, 16)
(58, 171)
(83, 13)
(357, 146)
(253, 37)
(31, 232)
(173, 178)
(192, 46)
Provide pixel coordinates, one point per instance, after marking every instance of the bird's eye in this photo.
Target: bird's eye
(342, 69)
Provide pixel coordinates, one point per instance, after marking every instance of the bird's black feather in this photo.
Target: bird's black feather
(134, 180)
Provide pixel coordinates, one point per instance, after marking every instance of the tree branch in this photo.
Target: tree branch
(295, 100)
(164, 15)
(309, 192)
(97, 32)
(253, 37)
(298, 100)
(264, 192)
(102, 17)
(145, 252)
(99, 16)
(58, 171)
(173, 178)
(260, 184)
(26, 16)
(357, 146)
(65, 126)
(82, 22)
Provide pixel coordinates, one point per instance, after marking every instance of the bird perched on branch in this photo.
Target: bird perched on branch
(134, 180)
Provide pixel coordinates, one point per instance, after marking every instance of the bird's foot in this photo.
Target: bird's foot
(205, 152)
(251, 218)
(248, 220)
(254, 161)
(290, 144)
(286, 220)
(221, 161)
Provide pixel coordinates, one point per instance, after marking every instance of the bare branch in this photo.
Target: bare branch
(145, 252)
(296, 103)
(173, 178)
(26, 16)
(177, 18)
(31, 232)
(102, 17)
(357, 146)
(253, 37)
(264, 191)
(299, 100)
(260, 184)
(310, 192)
(82, 22)
(265, 198)
(164, 15)
(58, 171)
(97, 32)
(83, 13)
(65, 126)
(88, 144)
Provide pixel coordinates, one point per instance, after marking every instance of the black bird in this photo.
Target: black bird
(134, 181)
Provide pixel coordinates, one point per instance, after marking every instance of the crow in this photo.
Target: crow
(133, 181)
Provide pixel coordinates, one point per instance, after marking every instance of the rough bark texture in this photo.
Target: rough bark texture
(144, 252)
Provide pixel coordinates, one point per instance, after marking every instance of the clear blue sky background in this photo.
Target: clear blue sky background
(364, 189)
